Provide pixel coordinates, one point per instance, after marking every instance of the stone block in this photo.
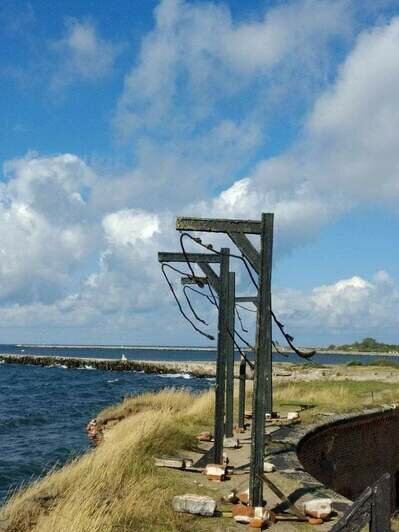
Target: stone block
(318, 508)
(194, 504)
(292, 415)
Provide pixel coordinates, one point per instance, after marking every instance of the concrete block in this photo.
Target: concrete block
(194, 504)
(292, 415)
(318, 508)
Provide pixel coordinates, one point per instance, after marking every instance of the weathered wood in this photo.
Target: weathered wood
(381, 506)
(373, 507)
(213, 278)
(247, 299)
(222, 351)
(262, 395)
(357, 516)
(199, 258)
(245, 246)
(219, 225)
(241, 394)
(190, 280)
(230, 359)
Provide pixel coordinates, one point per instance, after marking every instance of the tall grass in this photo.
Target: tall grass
(116, 486)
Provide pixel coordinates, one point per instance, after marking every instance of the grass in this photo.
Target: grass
(379, 363)
(116, 486)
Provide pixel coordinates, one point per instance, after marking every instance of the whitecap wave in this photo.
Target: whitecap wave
(176, 375)
(113, 380)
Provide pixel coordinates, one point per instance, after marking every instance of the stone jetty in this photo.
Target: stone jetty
(195, 369)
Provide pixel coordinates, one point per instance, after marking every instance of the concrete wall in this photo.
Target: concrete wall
(350, 454)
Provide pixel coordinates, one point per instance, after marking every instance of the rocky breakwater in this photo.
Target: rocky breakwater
(194, 369)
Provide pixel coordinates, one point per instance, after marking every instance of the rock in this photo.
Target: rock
(268, 467)
(231, 443)
(318, 508)
(314, 521)
(194, 504)
(205, 436)
(94, 432)
(292, 415)
(215, 472)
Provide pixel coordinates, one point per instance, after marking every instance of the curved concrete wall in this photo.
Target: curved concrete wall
(349, 454)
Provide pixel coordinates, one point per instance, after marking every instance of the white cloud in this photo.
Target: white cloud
(129, 226)
(347, 308)
(83, 54)
(197, 56)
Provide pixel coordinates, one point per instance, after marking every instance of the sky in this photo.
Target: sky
(116, 117)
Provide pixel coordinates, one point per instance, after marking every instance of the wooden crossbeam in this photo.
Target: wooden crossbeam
(219, 225)
(199, 258)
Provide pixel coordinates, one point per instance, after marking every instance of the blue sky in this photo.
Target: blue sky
(117, 117)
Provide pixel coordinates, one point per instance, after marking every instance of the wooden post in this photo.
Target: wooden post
(381, 505)
(262, 376)
(230, 360)
(241, 395)
(222, 353)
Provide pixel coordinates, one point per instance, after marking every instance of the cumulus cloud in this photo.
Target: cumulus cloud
(348, 307)
(83, 54)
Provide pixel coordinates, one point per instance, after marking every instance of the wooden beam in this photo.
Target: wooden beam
(190, 280)
(230, 359)
(218, 225)
(247, 299)
(247, 249)
(262, 391)
(222, 350)
(213, 278)
(199, 258)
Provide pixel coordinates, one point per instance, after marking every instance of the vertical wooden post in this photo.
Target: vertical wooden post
(263, 355)
(230, 359)
(241, 395)
(222, 350)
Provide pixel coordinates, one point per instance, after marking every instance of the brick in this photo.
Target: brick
(205, 436)
(314, 521)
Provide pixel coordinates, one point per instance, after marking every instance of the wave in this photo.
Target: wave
(176, 375)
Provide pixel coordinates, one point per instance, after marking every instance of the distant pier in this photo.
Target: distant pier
(195, 369)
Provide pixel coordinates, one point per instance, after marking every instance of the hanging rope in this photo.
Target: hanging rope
(289, 339)
(164, 266)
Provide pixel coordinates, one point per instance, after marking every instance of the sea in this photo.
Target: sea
(44, 410)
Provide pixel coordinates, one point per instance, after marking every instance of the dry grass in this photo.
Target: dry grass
(116, 486)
